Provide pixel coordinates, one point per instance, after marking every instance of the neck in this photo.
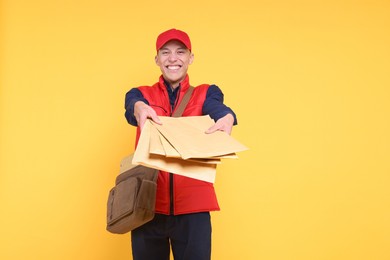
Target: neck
(171, 85)
(174, 86)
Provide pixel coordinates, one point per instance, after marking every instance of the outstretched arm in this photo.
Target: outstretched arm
(223, 116)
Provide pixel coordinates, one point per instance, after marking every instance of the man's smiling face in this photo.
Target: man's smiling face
(173, 59)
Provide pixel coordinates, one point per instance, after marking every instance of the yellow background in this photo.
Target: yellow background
(309, 81)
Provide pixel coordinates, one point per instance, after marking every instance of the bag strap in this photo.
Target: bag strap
(180, 109)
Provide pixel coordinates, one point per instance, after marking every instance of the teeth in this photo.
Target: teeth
(174, 67)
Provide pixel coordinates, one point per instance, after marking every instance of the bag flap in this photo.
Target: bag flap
(122, 199)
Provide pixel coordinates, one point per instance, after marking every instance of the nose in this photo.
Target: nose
(172, 57)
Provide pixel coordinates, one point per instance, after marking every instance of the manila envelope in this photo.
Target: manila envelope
(187, 136)
(160, 145)
(126, 164)
(191, 169)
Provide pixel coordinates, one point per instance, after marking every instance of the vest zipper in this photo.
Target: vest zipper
(171, 177)
(176, 101)
(171, 209)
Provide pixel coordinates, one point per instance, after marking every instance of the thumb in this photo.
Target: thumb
(212, 129)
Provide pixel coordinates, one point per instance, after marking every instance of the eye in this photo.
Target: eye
(164, 52)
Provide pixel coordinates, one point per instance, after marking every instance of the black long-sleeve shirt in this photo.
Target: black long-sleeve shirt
(213, 104)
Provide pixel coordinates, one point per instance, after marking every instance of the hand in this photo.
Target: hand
(142, 112)
(224, 124)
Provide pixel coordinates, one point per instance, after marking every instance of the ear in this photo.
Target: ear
(191, 58)
(156, 59)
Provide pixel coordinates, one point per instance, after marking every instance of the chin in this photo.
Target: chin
(174, 79)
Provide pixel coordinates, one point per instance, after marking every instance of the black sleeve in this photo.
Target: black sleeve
(131, 98)
(214, 105)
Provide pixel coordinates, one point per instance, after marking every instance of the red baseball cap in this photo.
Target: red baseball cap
(173, 34)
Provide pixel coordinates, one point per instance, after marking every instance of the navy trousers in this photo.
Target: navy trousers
(189, 236)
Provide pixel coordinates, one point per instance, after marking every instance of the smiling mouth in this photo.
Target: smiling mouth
(173, 67)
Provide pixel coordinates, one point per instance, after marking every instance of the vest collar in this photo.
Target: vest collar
(184, 85)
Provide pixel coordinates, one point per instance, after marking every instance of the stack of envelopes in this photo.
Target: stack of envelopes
(181, 146)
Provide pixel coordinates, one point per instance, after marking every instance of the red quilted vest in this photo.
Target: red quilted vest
(188, 195)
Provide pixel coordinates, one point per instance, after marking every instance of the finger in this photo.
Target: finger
(212, 129)
(156, 119)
